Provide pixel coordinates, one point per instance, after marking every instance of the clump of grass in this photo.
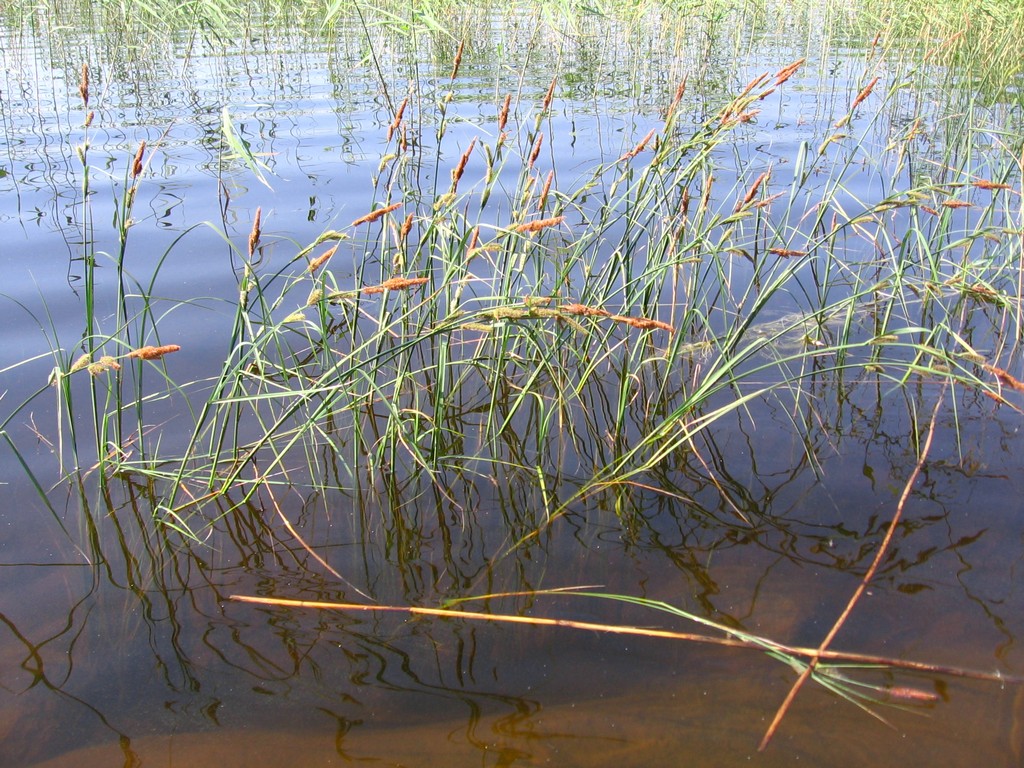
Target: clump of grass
(472, 301)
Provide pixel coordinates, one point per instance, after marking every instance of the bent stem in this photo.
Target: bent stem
(868, 575)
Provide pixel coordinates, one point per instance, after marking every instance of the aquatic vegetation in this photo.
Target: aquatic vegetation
(498, 318)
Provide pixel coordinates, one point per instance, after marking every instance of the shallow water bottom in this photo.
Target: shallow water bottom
(688, 724)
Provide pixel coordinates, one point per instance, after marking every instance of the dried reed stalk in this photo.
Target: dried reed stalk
(880, 555)
(729, 642)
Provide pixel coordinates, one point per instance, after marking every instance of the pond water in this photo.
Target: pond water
(122, 638)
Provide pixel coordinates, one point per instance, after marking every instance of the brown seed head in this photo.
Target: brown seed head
(403, 233)
(396, 284)
(320, 260)
(458, 60)
(544, 190)
(461, 167)
(374, 215)
(788, 71)
(584, 310)
(549, 95)
(83, 361)
(536, 150)
(536, 226)
(153, 353)
(83, 85)
(639, 147)
(254, 235)
(865, 92)
(503, 114)
(1005, 378)
(137, 162)
(398, 118)
(643, 323)
(753, 189)
(983, 184)
(680, 90)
